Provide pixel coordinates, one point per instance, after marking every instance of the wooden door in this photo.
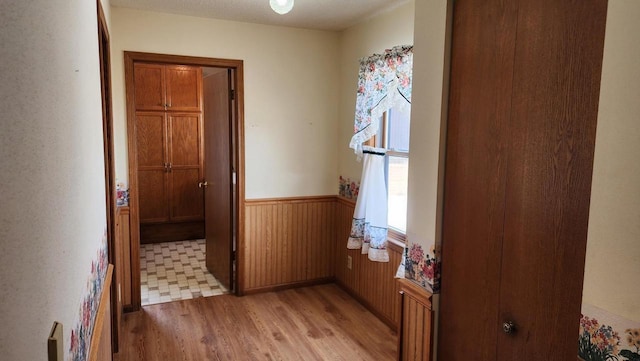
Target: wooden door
(480, 104)
(149, 86)
(218, 193)
(556, 88)
(185, 166)
(151, 135)
(184, 88)
(522, 115)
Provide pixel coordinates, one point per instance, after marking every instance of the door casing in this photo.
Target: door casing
(109, 167)
(237, 155)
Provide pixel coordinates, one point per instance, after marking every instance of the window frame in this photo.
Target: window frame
(381, 140)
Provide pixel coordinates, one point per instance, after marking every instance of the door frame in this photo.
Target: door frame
(237, 141)
(104, 53)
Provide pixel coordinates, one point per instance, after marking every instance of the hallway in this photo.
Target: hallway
(312, 323)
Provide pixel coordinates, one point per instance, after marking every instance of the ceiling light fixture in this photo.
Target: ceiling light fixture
(281, 6)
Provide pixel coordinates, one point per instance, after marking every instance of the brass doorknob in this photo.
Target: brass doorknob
(203, 184)
(508, 327)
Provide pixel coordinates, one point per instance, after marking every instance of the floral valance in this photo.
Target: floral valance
(384, 81)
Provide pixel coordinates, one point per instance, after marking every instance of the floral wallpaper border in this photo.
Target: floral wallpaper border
(122, 194)
(348, 188)
(423, 267)
(605, 336)
(82, 331)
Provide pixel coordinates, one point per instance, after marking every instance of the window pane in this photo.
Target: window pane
(398, 181)
(399, 129)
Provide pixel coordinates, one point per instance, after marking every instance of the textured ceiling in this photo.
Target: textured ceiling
(310, 14)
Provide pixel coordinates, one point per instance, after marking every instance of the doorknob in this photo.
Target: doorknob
(509, 327)
(203, 184)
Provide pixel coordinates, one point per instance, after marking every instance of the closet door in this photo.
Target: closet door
(184, 88)
(476, 161)
(149, 86)
(558, 62)
(186, 198)
(522, 114)
(151, 135)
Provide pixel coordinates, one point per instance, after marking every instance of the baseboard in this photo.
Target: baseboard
(291, 285)
(168, 232)
(368, 306)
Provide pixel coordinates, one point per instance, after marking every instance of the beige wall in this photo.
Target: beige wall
(428, 121)
(373, 35)
(53, 216)
(428, 126)
(106, 8)
(291, 88)
(613, 249)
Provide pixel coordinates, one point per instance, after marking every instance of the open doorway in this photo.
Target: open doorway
(184, 117)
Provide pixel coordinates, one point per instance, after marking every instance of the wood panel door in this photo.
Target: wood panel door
(184, 88)
(151, 135)
(524, 92)
(185, 166)
(218, 175)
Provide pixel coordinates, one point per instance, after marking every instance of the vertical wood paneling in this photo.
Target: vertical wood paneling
(293, 241)
(288, 241)
(372, 283)
(416, 323)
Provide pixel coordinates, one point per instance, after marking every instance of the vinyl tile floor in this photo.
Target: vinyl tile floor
(173, 271)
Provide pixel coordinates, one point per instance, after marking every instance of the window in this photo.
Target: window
(394, 136)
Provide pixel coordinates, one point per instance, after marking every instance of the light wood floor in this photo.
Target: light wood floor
(312, 323)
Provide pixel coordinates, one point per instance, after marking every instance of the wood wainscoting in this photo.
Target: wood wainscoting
(100, 348)
(371, 283)
(288, 242)
(123, 272)
(416, 326)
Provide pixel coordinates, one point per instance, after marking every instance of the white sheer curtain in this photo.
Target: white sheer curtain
(369, 226)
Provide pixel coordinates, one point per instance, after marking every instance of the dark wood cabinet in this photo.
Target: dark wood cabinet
(184, 88)
(168, 87)
(149, 80)
(169, 143)
(153, 176)
(524, 90)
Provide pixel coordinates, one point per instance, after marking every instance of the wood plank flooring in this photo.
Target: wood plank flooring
(311, 323)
